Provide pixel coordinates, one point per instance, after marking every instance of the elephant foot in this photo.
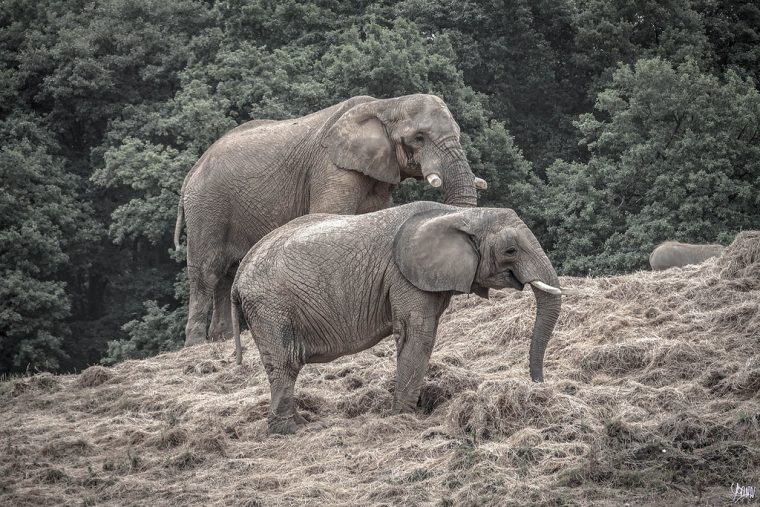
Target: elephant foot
(299, 419)
(195, 333)
(219, 337)
(282, 425)
(219, 331)
(194, 340)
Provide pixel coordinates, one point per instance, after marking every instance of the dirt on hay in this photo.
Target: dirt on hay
(652, 396)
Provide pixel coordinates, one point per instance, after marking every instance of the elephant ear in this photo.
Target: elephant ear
(434, 251)
(358, 141)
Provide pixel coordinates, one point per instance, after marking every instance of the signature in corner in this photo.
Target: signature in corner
(743, 492)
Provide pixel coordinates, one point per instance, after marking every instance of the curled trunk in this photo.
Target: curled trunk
(458, 181)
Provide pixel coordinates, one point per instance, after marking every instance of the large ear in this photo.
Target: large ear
(359, 141)
(434, 251)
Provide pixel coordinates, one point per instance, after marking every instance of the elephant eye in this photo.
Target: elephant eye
(511, 251)
(419, 137)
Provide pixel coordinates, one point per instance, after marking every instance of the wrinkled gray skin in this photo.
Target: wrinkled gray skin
(345, 159)
(323, 286)
(673, 254)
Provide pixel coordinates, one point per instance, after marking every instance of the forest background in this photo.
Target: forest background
(608, 125)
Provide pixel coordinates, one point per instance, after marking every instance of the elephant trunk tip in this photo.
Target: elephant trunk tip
(537, 373)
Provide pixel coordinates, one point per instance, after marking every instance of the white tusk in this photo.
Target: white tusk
(434, 180)
(481, 184)
(546, 288)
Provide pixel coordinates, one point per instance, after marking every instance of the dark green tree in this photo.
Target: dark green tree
(43, 223)
(733, 29)
(518, 54)
(674, 155)
(622, 31)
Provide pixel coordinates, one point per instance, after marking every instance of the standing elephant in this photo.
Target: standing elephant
(324, 286)
(673, 254)
(345, 159)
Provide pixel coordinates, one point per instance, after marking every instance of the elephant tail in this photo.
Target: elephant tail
(180, 219)
(181, 204)
(235, 311)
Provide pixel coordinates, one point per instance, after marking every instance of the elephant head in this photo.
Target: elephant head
(476, 249)
(411, 136)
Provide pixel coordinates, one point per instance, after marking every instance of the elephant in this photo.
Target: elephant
(345, 159)
(673, 254)
(325, 285)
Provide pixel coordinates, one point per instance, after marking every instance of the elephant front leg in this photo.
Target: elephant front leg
(415, 338)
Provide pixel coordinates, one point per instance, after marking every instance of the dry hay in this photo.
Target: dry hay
(742, 259)
(652, 396)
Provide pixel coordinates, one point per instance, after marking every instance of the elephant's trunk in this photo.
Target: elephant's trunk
(548, 302)
(547, 313)
(458, 181)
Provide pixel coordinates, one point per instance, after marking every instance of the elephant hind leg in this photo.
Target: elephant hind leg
(282, 410)
(278, 349)
(203, 282)
(221, 323)
(283, 417)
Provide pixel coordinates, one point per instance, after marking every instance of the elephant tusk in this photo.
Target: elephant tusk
(434, 180)
(546, 288)
(481, 184)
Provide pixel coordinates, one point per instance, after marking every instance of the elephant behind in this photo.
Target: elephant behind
(345, 159)
(323, 286)
(673, 254)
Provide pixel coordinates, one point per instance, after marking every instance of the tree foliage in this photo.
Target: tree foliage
(155, 332)
(515, 52)
(42, 224)
(674, 155)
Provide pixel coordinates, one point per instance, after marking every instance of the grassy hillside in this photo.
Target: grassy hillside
(652, 395)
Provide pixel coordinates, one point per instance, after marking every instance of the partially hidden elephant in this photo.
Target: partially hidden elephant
(673, 254)
(323, 286)
(345, 159)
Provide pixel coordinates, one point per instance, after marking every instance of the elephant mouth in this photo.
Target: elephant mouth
(411, 163)
(506, 280)
(513, 282)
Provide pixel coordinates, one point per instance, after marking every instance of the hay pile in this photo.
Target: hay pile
(652, 396)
